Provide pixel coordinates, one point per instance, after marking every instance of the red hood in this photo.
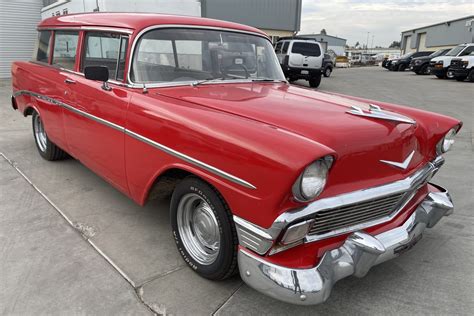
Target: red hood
(360, 142)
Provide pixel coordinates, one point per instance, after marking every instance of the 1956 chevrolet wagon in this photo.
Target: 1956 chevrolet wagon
(292, 187)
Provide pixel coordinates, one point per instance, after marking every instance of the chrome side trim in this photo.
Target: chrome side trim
(252, 237)
(359, 253)
(402, 165)
(167, 26)
(141, 138)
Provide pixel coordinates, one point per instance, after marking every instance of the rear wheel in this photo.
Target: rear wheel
(315, 81)
(203, 229)
(46, 148)
(425, 70)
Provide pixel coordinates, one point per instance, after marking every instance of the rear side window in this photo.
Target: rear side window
(106, 49)
(65, 47)
(306, 49)
(284, 49)
(42, 53)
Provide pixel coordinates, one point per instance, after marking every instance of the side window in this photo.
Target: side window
(306, 49)
(105, 49)
(65, 47)
(467, 51)
(42, 53)
(284, 49)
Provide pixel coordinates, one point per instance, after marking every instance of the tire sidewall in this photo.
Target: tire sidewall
(228, 246)
(47, 152)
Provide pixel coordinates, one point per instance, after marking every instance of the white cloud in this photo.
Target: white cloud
(385, 20)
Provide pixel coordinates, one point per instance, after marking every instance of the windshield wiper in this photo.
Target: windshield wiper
(268, 80)
(199, 82)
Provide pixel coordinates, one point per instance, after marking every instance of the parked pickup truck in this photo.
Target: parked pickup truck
(294, 188)
(404, 61)
(463, 68)
(440, 66)
(421, 65)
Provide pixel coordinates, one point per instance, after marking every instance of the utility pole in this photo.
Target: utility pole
(372, 46)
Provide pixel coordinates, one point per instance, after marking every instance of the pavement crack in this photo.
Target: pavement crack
(156, 309)
(228, 299)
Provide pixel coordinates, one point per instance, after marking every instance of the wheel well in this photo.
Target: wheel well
(28, 111)
(166, 182)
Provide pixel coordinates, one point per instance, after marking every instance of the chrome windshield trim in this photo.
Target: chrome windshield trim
(167, 26)
(141, 138)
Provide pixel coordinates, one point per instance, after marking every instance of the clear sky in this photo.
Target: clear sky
(385, 20)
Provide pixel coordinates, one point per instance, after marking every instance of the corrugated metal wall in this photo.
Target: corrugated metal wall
(18, 21)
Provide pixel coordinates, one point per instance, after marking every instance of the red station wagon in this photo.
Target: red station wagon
(294, 188)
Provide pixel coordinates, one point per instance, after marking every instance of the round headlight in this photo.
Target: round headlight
(313, 179)
(446, 142)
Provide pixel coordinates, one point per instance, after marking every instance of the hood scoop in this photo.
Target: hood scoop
(376, 112)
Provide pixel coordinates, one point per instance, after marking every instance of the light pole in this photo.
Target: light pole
(372, 45)
(367, 44)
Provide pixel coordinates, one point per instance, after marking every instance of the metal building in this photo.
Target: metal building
(437, 36)
(18, 20)
(333, 44)
(277, 18)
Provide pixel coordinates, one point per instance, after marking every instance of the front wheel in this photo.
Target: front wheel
(203, 229)
(425, 70)
(46, 148)
(449, 74)
(315, 81)
(327, 72)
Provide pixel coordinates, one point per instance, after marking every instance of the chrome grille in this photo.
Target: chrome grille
(353, 214)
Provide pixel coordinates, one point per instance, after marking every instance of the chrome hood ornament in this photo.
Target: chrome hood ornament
(402, 165)
(376, 112)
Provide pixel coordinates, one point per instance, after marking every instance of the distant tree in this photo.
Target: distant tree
(357, 45)
(395, 44)
(323, 32)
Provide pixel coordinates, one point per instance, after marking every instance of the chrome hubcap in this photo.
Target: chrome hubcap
(198, 228)
(40, 134)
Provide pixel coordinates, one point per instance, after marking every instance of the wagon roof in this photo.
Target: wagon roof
(137, 21)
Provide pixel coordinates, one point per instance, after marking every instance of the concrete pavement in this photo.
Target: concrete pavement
(48, 267)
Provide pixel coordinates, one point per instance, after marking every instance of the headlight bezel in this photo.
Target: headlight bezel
(300, 193)
(447, 141)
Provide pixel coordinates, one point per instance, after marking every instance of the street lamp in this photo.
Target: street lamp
(367, 44)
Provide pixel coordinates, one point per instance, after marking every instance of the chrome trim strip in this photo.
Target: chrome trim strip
(167, 26)
(141, 138)
(86, 28)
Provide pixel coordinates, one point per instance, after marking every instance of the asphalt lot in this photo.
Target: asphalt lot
(106, 255)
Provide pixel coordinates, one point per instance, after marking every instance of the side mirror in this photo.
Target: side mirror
(98, 73)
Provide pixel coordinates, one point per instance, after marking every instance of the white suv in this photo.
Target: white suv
(440, 66)
(300, 58)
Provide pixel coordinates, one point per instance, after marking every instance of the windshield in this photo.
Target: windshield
(455, 51)
(179, 54)
(438, 53)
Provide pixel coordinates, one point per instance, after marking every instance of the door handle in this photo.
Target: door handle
(70, 81)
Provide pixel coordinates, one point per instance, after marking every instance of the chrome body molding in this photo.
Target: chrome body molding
(252, 237)
(141, 138)
(359, 253)
(87, 28)
(408, 186)
(376, 112)
(402, 165)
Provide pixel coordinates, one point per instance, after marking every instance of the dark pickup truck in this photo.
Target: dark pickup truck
(404, 61)
(421, 65)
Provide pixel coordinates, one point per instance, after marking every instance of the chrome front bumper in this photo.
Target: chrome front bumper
(356, 256)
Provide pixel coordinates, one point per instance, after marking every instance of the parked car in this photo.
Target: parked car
(463, 68)
(292, 187)
(421, 65)
(403, 62)
(328, 65)
(440, 66)
(342, 62)
(300, 58)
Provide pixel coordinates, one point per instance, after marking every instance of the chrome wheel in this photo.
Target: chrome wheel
(198, 228)
(40, 134)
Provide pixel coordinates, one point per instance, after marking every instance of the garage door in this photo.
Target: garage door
(422, 42)
(18, 21)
